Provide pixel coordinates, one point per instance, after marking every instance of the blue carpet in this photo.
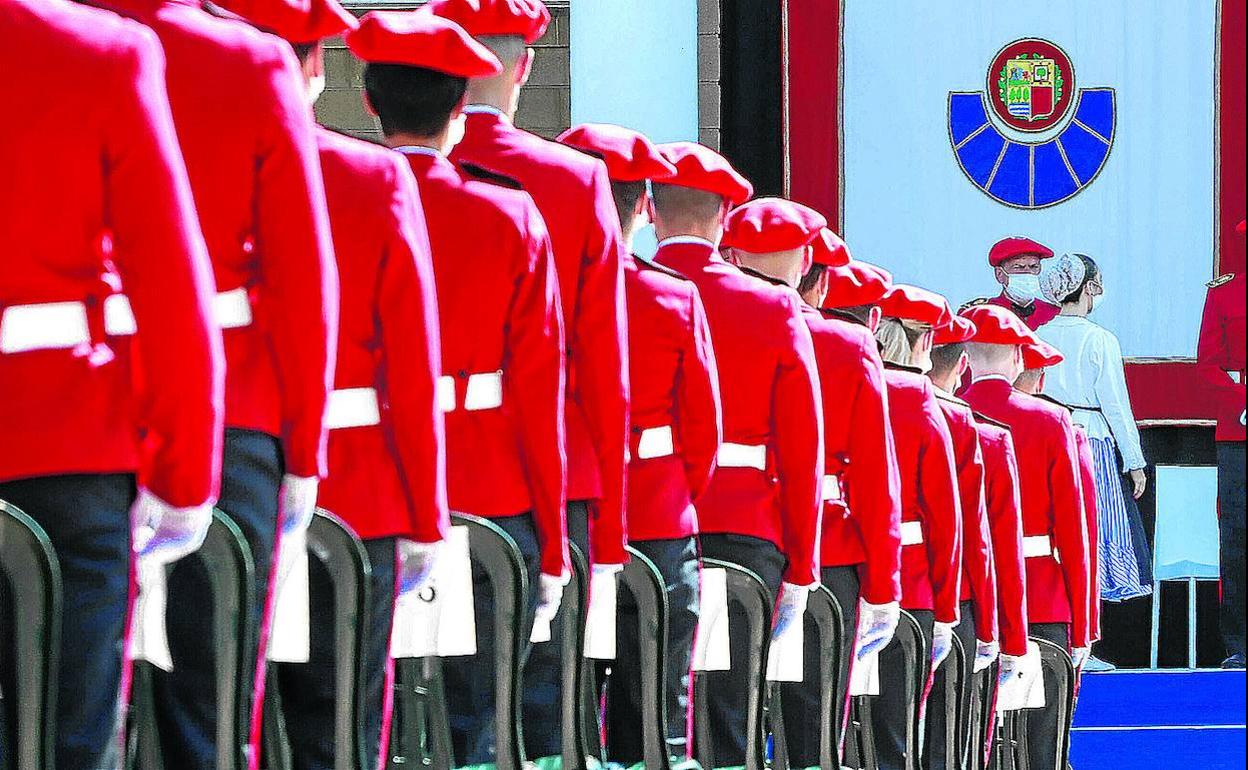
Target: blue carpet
(1159, 720)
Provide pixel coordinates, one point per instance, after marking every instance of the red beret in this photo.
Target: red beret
(857, 283)
(421, 40)
(1017, 246)
(995, 325)
(521, 18)
(911, 303)
(306, 21)
(958, 329)
(629, 155)
(701, 168)
(830, 250)
(1040, 355)
(769, 225)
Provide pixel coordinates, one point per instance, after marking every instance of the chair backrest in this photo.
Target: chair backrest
(29, 567)
(642, 579)
(750, 594)
(1185, 544)
(577, 713)
(823, 613)
(913, 647)
(982, 716)
(1058, 668)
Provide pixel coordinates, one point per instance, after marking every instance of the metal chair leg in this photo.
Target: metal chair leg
(642, 579)
(575, 742)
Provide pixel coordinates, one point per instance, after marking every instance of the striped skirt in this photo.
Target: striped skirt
(1125, 561)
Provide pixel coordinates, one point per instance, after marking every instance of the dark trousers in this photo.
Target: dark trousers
(728, 691)
(801, 702)
(891, 722)
(1231, 503)
(543, 674)
(87, 518)
(677, 561)
(470, 681)
(186, 707)
(942, 723)
(1042, 725)
(308, 690)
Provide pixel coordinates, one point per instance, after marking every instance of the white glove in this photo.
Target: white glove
(417, 562)
(942, 643)
(601, 571)
(549, 597)
(1011, 668)
(986, 653)
(877, 623)
(163, 533)
(791, 607)
(1079, 656)
(298, 502)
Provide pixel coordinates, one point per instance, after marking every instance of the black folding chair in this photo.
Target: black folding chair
(747, 591)
(955, 667)
(1058, 667)
(231, 574)
(824, 611)
(642, 579)
(581, 738)
(32, 578)
(983, 716)
(332, 543)
(861, 738)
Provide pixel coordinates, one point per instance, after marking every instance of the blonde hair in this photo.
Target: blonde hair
(897, 339)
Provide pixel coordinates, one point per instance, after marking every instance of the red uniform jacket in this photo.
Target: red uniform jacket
(115, 166)
(863, 525)
(573, 193)
(1220, 352)
(979, 582)
(1035, 315)
(769, 382)
(1087, 479)
(1005, 513)
(931, 570)
(675, 386)
(248, 139)
(387, 479)
(499, 310)
(1044, 437)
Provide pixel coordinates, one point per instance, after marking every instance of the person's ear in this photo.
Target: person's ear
(642, 207)
(824, 286)
(808, 259)
(874, 316)
(1003, 277)
(524, 67)
(964, 364)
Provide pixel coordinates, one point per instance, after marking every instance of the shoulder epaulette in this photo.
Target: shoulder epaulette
(762, 277)
(1054, 401)
(1221, 280)
(840, 315)
(979, 417)
(950, 398)
(645, 264)
(483, 174)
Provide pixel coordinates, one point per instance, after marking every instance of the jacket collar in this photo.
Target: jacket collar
(687, 254)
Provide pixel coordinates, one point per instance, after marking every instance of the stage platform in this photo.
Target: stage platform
(1160, 720)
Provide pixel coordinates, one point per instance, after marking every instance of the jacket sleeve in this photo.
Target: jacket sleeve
(408, 323)
(977, 554)
(1213, 354)
(598, 340)
(797, 430)
(298, 301)
(534, 380)
(1111, 393)
(1007, 542)
(1087, 477)
(164, 268)
(874, 477)
(1070, 531)
(938, 498)
(697, 401)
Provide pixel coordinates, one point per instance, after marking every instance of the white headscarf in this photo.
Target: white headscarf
(1063, 278)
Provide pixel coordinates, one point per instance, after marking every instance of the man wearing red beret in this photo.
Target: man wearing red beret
(573, 194)
(502, 334)
(1055, 543)
(1016, 263)
(762, 508)
(250, 150)
(676, 430)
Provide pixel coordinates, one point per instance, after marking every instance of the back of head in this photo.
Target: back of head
(412, 100)
(896, 341)
(995, 359)
(685, 209)
(945, 359)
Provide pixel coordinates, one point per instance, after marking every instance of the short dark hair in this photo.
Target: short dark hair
(685, 205)
(811, 279)
(303, 51)
(626, 195)
(413, 100)
(945, 357)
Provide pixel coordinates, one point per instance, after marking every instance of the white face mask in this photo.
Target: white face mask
(1098, 299)
(1024, 287)
(316, 87)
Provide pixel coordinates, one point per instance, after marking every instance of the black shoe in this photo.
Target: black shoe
(1235, 661)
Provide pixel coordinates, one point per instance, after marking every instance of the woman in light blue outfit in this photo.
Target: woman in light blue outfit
(1092, 382)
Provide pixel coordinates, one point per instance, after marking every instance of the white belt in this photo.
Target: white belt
(60, 325)
(1038, 546)
(352, 408)
(655, 442)
(831, 488)
(484, 391)
(912, 533)
(232, 309)
(742, 456)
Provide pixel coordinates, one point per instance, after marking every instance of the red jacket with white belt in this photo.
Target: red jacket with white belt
(1058, 583)
(387, 477)
(1005, 515)
(250, 148)
(862, 524)
(769, 382)
(573, 193)
(931, 565)
(499, 316)
(114, 168)
(675, 398)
